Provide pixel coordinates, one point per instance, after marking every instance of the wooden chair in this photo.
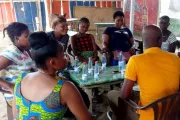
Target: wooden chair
(169, 110)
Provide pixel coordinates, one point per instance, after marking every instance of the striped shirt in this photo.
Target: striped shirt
(22, 62)
(171, 39)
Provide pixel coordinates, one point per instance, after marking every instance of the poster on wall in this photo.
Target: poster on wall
(146, 12)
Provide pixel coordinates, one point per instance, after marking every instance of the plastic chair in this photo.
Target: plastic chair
(169, 109)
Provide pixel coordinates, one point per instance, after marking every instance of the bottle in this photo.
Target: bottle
(121, 63)
(76, 65)
(104, 62)
(84, 72)
(90, 67)
(145, 15)
(96, 71)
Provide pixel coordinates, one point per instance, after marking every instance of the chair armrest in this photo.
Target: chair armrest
(132, 104)
(135, 106)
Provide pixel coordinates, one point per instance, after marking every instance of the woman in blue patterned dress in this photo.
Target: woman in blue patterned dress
(42, 96)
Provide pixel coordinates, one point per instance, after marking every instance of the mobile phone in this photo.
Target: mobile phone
(115, 71)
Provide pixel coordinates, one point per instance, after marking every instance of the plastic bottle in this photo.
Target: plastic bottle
(104, 62)
(96, 71)
(121, 62)
(76, 65)
(84, 72)
(90, 67)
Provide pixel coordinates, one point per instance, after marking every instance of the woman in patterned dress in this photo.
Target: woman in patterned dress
(14, 60)
(42, 96)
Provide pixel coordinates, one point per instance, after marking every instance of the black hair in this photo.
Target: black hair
(15, 29)
(118, 13)
(84, 20)
(43, 48)
(165, 17)
(56, 19)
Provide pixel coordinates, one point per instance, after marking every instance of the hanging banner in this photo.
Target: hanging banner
(146, 12)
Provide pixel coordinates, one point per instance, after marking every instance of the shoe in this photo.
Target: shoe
(109, 115)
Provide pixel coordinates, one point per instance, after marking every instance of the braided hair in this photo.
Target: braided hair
(15, 29)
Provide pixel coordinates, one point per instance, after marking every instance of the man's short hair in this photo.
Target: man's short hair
(165, 17)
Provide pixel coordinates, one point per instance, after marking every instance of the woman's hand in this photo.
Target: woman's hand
(11, 88)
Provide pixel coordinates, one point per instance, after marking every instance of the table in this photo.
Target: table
(105, 78)
(98, 25)
(73, 22)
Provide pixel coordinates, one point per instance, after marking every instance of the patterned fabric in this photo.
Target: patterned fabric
(48, 109)
(171, 39)
(87, 54)
(22, 63)
(84, 43)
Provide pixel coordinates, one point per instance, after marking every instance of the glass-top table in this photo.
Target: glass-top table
(105, 77)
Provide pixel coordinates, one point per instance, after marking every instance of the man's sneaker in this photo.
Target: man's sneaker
(109, 115)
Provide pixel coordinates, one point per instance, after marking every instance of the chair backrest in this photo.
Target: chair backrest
(166, 108)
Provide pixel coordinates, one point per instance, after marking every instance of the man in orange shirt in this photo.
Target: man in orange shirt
(156, 72)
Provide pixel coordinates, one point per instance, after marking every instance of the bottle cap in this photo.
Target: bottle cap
(96, 62)
(84, 63)
(76, 57)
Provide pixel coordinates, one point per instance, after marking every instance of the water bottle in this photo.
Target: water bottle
(90, 67)
(76, 65)
(84, 72)
(104, 61)
(121, 63)
(96, 71)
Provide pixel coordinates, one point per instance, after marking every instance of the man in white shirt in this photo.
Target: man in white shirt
(169, 39)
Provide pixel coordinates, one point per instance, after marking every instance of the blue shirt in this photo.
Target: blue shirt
(119, 38)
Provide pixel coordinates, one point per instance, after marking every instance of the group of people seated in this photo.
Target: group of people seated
(29, 68)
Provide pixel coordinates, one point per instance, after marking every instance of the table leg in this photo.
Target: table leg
(89, 93)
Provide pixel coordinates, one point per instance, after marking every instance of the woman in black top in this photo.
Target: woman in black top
(60, 28)
(117, 39)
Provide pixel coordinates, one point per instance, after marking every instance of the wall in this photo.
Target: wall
(6, 14)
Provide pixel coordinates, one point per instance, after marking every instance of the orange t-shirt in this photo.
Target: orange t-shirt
(157, 73)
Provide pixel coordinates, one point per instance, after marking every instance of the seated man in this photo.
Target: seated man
(169, 39)
(156, 72)
(83, 44)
